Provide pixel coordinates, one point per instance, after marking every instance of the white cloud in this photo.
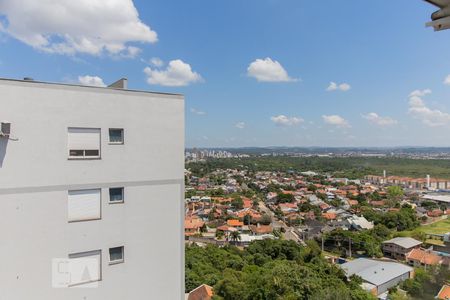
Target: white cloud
(420, 93)
(197, 112)
(131, 52)
(447, 80)
(344, 87)
(70, 27)
(268, 70)
(240, 125)
(419, 110)
(91, 80)
(157, 62)
(376, 119)
(177, 73)
(282, 120)
(336, 120)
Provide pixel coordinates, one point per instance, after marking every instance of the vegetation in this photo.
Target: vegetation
(394, 195)
(350, 167)
(426, 283)
(285, 198)
(403, 219)
(439, 227)
(366, 242)
(269, 269)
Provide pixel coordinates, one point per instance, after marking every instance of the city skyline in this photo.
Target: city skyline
(259, 73)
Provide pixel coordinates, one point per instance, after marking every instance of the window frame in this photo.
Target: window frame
(122, 142)
(117, 261)
(116, 201)
(84, 157)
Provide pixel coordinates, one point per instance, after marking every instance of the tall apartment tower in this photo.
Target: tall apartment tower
(91, 190)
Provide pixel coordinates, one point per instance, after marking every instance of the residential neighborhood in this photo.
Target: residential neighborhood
(369, 226)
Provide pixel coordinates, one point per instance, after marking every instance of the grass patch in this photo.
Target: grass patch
(435, 242)
(439, 227)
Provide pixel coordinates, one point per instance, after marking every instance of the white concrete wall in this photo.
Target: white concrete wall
(35, 175)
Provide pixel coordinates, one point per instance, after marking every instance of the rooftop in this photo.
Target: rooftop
(405, 242)
(444, 293)
(424, 257)
(203, 292)
(112, 88)
(375, 272)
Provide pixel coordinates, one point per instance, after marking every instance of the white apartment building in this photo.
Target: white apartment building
(91, 192)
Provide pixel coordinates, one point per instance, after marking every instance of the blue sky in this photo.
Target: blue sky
(254, 72)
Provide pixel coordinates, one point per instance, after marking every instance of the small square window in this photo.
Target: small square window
(116, 255)
(116, 136)
(116, 195)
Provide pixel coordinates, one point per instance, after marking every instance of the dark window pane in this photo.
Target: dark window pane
(115, 194)
(116, 254)
(116, 135)
(91, 153)
(76, 152)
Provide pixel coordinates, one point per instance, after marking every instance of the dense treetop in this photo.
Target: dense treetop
(350, 167)
(269, 269)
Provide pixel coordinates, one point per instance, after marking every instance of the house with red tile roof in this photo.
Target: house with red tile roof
(353, 202)
(251, 212)
(287, 206)
(203, 292)
(288, 192)
(192, 225)
(248, 203)
(419, 257)
(329, 216)
(435, 213)
(307, 215)
(223, 228)
(444, 293)
(261, 229)
(324, 206)
(235, 223)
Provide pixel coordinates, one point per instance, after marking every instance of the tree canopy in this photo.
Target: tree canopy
(269, 269)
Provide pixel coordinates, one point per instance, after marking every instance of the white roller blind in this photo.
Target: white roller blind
(84, 138)
(84, 205)
(85, 267)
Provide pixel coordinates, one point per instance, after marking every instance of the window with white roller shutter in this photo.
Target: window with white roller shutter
(84, 205)
(85, 267)
(83, 142)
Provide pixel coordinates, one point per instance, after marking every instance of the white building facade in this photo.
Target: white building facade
(91, 193)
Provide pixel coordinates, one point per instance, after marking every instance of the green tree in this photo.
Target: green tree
(394, 193)
(312, 188)
(269, 270)
(265, 219)
(237, 203)
(235, 236)
(219, 234)
(247, 219)
(285, 198)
